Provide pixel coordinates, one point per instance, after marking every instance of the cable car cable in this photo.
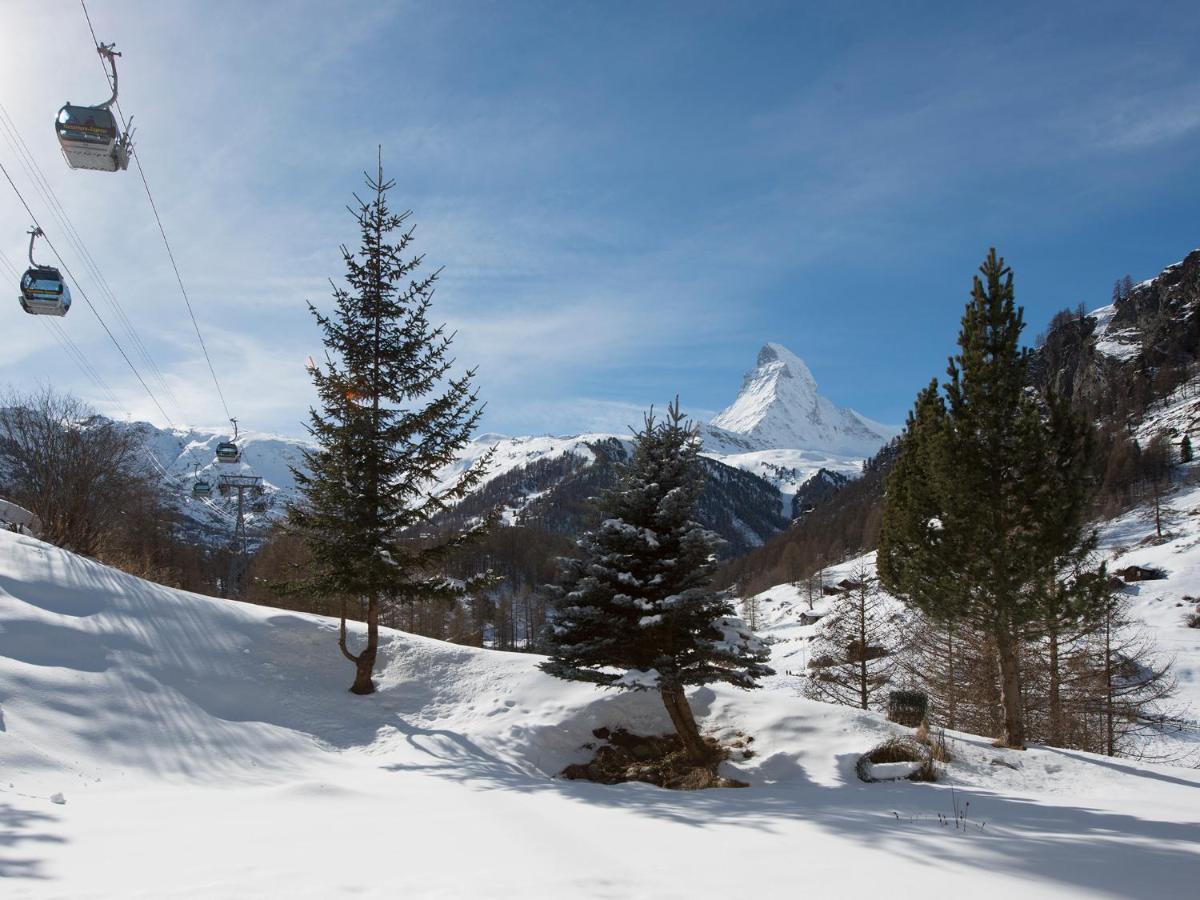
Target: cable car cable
(86, 299)
(162, 231)
(42, 185)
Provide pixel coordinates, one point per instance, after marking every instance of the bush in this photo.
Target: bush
(897, 750)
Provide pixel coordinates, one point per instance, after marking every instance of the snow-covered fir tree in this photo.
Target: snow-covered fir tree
(853, 658)
(638, 610)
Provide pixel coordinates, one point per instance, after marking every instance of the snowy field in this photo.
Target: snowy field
(159, 744)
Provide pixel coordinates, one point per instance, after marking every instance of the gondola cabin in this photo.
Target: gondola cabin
(44, 293)
(202, 488)
(90, 139)
(229, 452)
(89, 135)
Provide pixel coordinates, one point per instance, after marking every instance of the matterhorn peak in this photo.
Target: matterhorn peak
(779, 407)
(778, 358)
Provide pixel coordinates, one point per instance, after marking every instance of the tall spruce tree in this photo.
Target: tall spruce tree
(390, 415)
(638, 611)
(984, 507)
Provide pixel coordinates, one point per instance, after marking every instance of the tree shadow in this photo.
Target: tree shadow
(1116, 766)
(23, 826)
(1093, 850)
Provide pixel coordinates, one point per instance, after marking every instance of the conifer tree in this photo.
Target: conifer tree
(751, 612)
(638, 610)
(986, 500)
(1128, 684)
(1185, 449)
(390, 414)
(853, 657)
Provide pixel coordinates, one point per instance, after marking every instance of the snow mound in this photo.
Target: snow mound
(210, 748)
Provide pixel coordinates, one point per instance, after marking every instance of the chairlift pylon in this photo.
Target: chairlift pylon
(90, 136)
(43, 291)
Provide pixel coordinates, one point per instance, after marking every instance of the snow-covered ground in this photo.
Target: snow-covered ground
(1162, 605)
(155, 743)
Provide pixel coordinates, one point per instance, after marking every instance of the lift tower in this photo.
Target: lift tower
(241, 486)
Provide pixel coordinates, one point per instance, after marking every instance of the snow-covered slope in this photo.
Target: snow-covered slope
(779, 408)
(155, 743)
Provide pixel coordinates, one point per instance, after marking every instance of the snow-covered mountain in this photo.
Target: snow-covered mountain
(779, 408)
(779, 429)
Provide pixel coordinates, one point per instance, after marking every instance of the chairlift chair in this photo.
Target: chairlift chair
(90, 136)
(43, 290)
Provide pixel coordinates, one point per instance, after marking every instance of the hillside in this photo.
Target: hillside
(1161, 607)
(1130, 367)
(141, 723)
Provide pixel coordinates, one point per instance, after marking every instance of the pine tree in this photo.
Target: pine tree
(853, 657)
(1185, 449)
(390, 415)
(986, 499)
(638, 610)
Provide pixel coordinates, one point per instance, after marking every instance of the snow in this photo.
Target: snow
(788, 469)
(1120, 345)
(779, 408)
(207, 748)
(1161, 605)
(886, 771)
(639, 679)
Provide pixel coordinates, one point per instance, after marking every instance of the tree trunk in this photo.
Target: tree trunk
(680, 711)
(1056, 737)
(364, 662)
(1109, 739)
(1010, 689)
(862, 646)
(953, 692)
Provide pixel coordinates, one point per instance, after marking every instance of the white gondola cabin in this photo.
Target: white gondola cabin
(90, 136)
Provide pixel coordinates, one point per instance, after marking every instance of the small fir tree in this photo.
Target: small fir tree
(638, 610)
(390, 414)
(853, 657)
(1185, 449)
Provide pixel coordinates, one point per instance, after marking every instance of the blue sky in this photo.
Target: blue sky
(628, 199)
